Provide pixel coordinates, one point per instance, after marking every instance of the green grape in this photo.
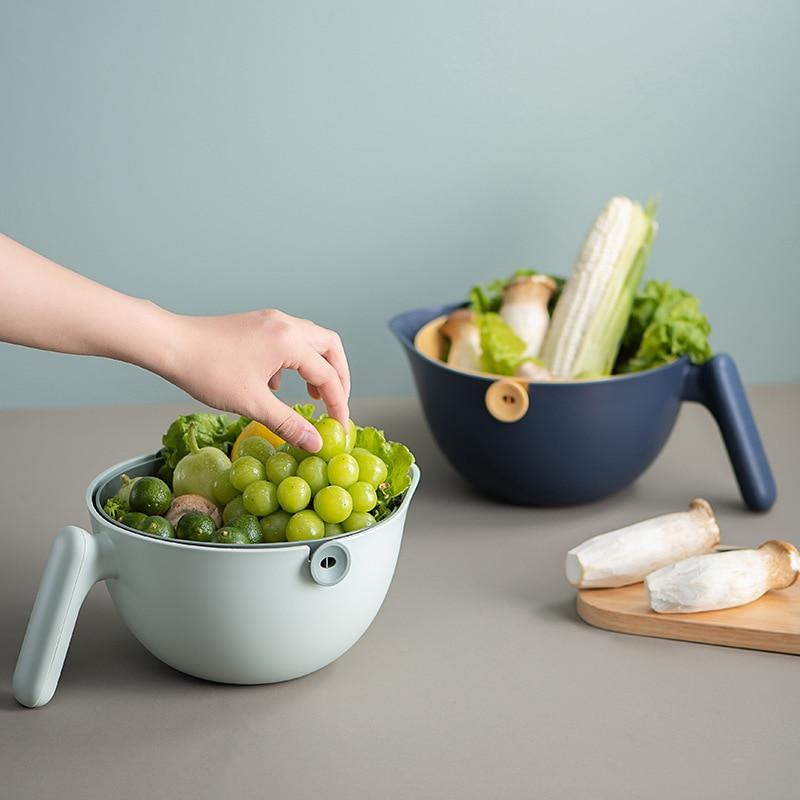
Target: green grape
(333, 437)
(314, 471)
(246, 470)
(261, 498)
(233, 511)
(333, 529)
(350, 436)
(224, 491)
(358, 520)
(256, 446)
(249, 525)
(293, 494)
(273, 527)
(343, 470)
(333, 504)
(304, 525)
(371, 468)
(280, 466)
(297, 453)
(364, 496)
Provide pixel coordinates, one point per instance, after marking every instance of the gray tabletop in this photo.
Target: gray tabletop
(477, 679)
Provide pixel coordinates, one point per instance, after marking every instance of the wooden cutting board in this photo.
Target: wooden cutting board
(770, 623)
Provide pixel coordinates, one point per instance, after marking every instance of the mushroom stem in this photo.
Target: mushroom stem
(524, 308)
(465, 340)
(722, 580)
(629, 554)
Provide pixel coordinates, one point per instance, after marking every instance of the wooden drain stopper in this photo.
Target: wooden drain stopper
(507, 401)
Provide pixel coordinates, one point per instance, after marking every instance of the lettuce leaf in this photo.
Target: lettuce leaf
(305, 410)
(215, 430)
(488, 297)
(665, 323)
(501, 348)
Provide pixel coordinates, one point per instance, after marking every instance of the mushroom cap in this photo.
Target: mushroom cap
(785, 566)
(460, 322)
(529, 288)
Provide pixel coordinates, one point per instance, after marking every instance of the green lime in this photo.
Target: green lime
(195, 526)
(134, 519)
(150, 496)
(251, 528)
(158, 526)
(230, 535)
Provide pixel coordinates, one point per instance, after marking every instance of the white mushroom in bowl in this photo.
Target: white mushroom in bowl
(524, 308)
(465, 340)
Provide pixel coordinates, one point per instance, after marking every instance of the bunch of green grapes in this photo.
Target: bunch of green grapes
(290, 495)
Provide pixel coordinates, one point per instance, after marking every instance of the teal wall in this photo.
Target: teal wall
(347, 160)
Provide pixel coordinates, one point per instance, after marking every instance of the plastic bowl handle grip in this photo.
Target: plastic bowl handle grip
(716, 384)
(76, 562)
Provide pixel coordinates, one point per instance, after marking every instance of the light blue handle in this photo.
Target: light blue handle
(76, 562)
(716, 384)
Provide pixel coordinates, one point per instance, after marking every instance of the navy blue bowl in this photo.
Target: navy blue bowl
(584, 440)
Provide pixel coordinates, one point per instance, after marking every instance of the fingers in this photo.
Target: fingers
(275, 381)
(317, 371)
(288, 424)
(328, 344)
(334, 354)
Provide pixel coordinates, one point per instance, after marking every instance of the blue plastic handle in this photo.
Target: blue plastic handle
(717, 385)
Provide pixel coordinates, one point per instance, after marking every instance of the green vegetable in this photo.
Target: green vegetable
(665, 323)
(501, 349)
(489, 297)
(197, 471)
(115, 508)
(398, 460)
(210, 430)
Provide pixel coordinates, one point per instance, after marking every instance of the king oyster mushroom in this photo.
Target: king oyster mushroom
(465, 340)
(524, 308)
(630, 554)
(722, 580)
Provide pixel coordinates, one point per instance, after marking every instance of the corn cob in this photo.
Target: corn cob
(590, 316)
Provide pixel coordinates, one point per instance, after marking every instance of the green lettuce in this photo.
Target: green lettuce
(665, 323)
(488, 297)
(501, 349)
(215, 430)
(398, 459)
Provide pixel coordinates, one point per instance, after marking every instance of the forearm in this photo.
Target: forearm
(46, 306)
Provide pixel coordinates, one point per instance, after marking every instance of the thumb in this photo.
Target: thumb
(288, 424)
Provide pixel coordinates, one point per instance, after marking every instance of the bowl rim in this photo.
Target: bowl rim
(98, 515)
(488, 377)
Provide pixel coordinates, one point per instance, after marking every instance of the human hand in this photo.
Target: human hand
(234, 363)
